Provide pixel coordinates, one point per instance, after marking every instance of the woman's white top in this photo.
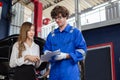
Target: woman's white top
(30, 50)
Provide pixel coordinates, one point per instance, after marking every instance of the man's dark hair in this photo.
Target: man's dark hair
(60, 10)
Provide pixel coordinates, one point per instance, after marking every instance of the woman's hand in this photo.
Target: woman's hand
(32, 58)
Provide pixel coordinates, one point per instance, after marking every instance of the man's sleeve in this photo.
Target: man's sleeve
(80, 47)
(47, 45)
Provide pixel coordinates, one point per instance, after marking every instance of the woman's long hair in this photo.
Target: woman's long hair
(22, 37)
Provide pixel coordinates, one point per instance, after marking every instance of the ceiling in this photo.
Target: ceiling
(70, 4)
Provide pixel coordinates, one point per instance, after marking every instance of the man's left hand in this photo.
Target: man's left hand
(60, 56)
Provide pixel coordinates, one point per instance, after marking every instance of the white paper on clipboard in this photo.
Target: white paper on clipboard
(48, 55)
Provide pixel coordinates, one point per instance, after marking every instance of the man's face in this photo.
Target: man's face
(61, 21)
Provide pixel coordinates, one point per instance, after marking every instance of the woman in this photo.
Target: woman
(25, 54)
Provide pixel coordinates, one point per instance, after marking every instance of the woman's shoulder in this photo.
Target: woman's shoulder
(35, 44)
(15, 44)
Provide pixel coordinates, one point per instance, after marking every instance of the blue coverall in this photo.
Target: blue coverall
(70, 41)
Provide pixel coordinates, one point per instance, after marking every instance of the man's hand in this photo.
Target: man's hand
(60, 56)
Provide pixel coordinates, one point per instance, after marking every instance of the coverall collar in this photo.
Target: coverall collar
(67, 29)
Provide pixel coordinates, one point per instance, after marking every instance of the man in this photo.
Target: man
(70, 44)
